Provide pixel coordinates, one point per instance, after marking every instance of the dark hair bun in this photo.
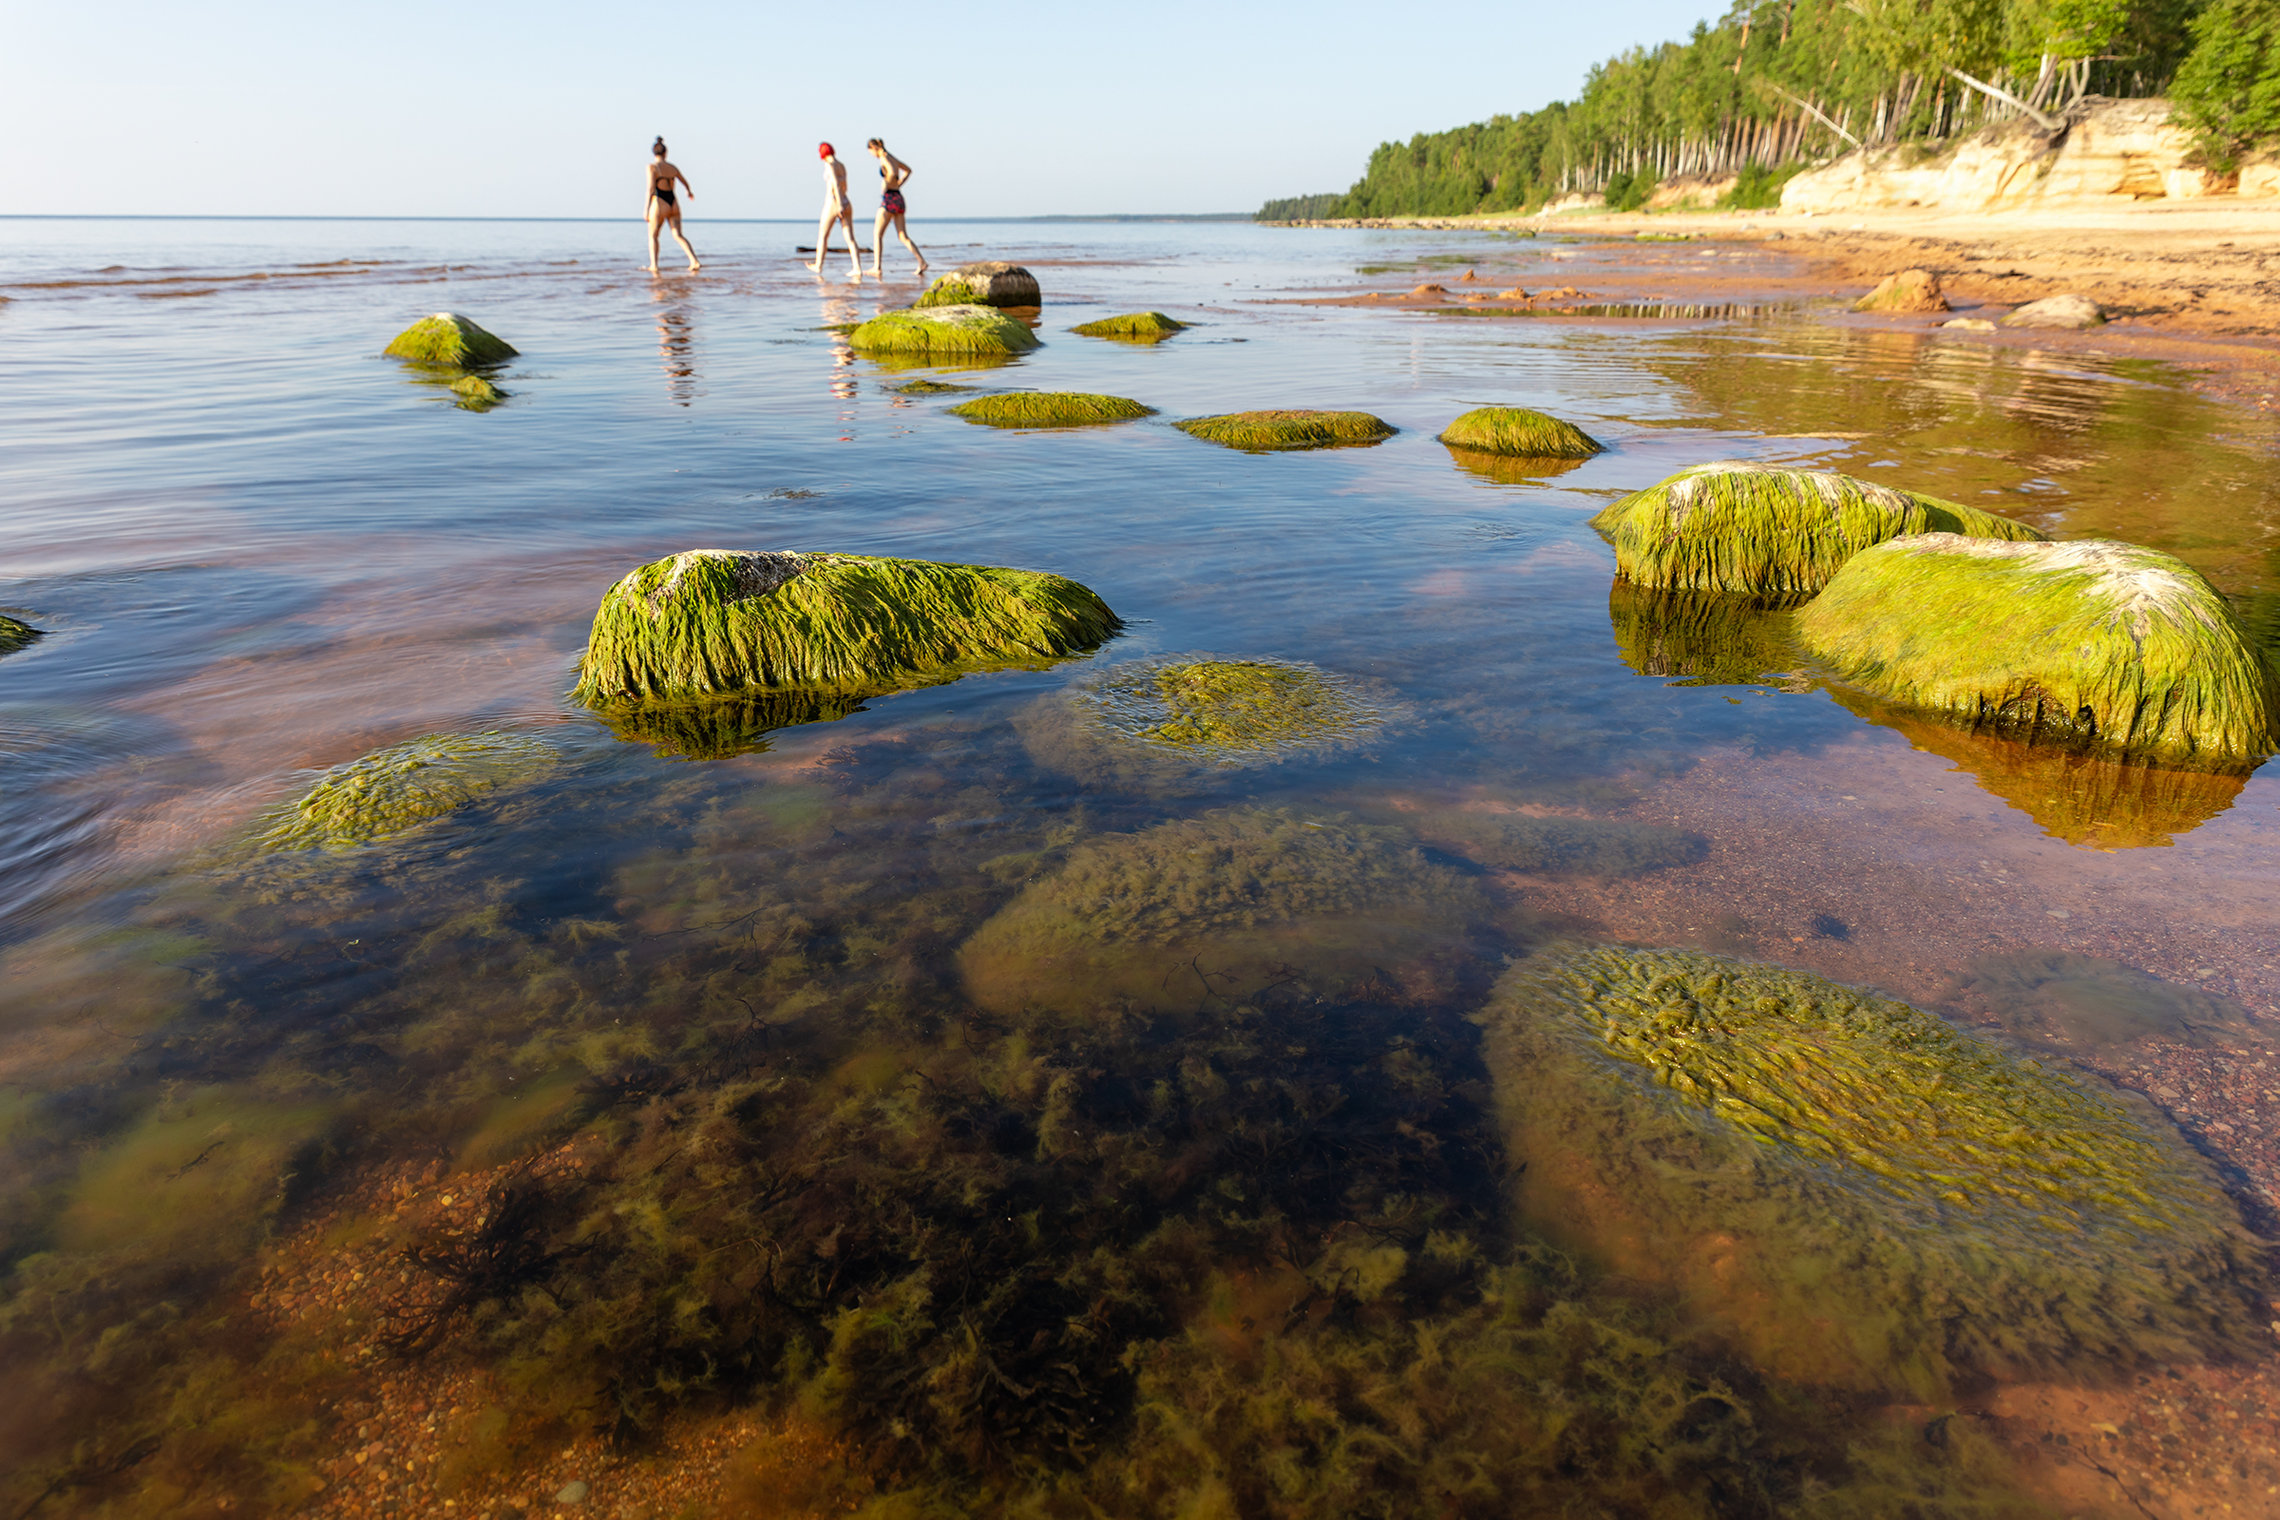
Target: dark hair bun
(657, 146)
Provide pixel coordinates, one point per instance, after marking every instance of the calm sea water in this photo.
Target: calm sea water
(260, 549)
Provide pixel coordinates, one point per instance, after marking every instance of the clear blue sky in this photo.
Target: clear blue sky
(1004, 107)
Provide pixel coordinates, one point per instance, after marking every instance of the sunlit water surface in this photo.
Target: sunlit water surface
(261, 549)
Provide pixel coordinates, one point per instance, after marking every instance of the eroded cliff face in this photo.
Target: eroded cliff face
(2113, 150)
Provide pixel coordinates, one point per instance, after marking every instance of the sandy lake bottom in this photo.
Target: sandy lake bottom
(654, 1135)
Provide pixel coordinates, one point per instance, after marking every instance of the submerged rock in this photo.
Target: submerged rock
(991, 282)
(1137, 326)
(1771, 533)
(1516, 431)
(1909, 290)
(1256, 431)
(1048, 409)
(1157, 722)
(2081, 1002)
(1556, 845)
(447, 338)
(2067, 311)
(396, 790)
(731, 620)
(960, 331)
(1700, 638)
(2093, 643)
(1227, 908)
(930, 388)
(15, 635)
(477, 394)
(1859, 1193)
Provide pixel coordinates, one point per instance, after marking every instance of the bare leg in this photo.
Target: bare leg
(823, 237)
(878, 242)
(656, 215)
(854, 244)
(904, 233)
(678, 238)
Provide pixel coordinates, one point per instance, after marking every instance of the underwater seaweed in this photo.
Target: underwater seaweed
(2099, 644)
(1774, 534)
(15, 635)
(1863, 1194)
(394, 791)
(1255, 432)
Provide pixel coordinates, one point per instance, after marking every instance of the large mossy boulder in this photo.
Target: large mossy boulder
(15, 634)
(1049, 409)
(1771, 533)
(990, 282)
(1258, 431)
(1227, 908)
(2099, 644)
(450, 340)
(1132, 327)
(1856, 1192)
(963, 331)
(1174, 719)
(728, 620)
(400, 789)
(1516, 432)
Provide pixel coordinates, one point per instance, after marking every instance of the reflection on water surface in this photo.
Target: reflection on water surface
(957, 1107)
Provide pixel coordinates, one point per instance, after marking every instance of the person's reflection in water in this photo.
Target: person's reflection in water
(677, 348)
(838, 312)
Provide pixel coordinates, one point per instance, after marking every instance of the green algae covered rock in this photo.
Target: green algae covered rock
(1225, 908)
(1175, 720)
(1256, 431)
(990, 282)
(1049, 409)
(966, 330)
(729, 620)
(476, 394)
(1137, 327)
(924, 387)
(1518, 432)
(397, 790)
(449, 339)
(1771, 533)
(2100, 644)
(15, 635)
(1860, 1194)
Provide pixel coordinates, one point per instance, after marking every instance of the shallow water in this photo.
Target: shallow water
(260, 549)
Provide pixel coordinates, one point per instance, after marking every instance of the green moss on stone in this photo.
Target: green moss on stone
(1255, 431)
(1521, 433)
(949, 292)
(1223, 908)
(930, 388)
(15, 635)
(2095, 643)
(1138, 326)
(721, 620)
(1774, 534)
(476, 394)
(1861, 1194)
(989, 282)
(448, 338)
(1700, 638)
(956, 331)
(1049, 409)
(396, 790)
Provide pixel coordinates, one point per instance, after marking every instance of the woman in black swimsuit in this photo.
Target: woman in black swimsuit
(891, 207)
(664, 207)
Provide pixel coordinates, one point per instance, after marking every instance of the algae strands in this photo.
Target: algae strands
(449, 339)
(725, 620)
(2097, 643)
(1770, 533)
(1288, 429)
(1049, 409)
(1136, 326)
(396, 790)
(968, 330)
(15, 634)
(1519, 433)
(1857, 1192)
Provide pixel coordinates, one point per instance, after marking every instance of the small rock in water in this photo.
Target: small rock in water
(1909, 290)
(2067, 311)
(572, 1492)
(1429, 290)
(1829, 926)
(1971, 324)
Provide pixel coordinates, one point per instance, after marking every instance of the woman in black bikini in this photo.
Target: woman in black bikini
(663, 206)
(891, 207)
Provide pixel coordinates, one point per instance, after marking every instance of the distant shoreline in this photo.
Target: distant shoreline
(718, 221)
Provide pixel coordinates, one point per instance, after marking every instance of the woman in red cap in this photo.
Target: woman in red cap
(837, 210)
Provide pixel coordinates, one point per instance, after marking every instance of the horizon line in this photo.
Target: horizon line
(789, 221)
